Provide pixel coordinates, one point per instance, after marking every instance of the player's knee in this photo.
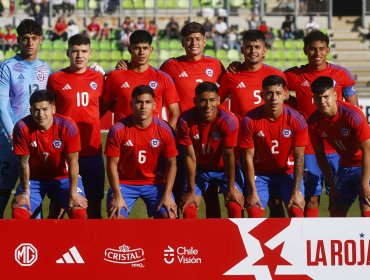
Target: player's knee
(234, 210)
(190, 212)
(255, 212)
(77, 213)
(295, 212)
(20, 213)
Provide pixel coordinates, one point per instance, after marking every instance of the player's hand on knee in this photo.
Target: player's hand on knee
(116, 205)
(77, 201)
(235, 195)
(365, 193)
(22, 200)
(188, 198)
(252, 200)
(122, 65)
(170, 205)
(297, 200)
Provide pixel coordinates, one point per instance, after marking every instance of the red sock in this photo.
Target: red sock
(234, 210)
(311, 212)
(190, 212)
(20, 213)
(255, 212)
(77, 213)
(365, 214)
(295, 212)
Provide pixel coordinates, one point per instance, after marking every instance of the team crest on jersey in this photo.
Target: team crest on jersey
(344, 132)
(154, 143)
(286, 133)
(209, 72)
(93, 85)
(40, 76)
(215, 135)
(57, 144)
(153, 84)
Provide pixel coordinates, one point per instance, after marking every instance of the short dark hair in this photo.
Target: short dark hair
(192, 27)
(142, 89)
(206, 86)
(29, 26)
(140, 36)
(322, 84)
(42, 95)
(253, 35)
(273, 80)
(314, 36)
(78, 39)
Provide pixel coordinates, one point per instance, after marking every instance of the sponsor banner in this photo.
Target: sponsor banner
(364, 103)
(258, 249)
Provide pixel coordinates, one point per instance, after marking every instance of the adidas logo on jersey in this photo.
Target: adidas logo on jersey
(72, 256)
(324, 135)
(196, 137)
(305, 84)
(66, 87)
(240, 85)
(125, 85)
(20, 77)
(183, 74)
(34, 144)
(261, 134)
(128, 144)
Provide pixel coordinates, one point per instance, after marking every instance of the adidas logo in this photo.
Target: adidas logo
(305, 84)
(129, 144)
(34, 144)
(183, 75)
(72, 256)
(125, 85)
(66, 87)
(261, 134)
(20, 77)
(324, 135)
(240, 85)
(196, 137)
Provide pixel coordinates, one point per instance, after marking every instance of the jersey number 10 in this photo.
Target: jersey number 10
(82, 99)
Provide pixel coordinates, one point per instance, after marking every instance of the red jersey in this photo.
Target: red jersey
(48, 149)
(188, 74)
(208, 139)
(299, 79)
(93, 27)
(77, 96)
(141, 152)
(120, 83)
(273, 141)
(344, 132)
(244, 87)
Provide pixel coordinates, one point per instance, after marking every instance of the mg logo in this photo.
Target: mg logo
(25, 254)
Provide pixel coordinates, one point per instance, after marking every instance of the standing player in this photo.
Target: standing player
(141, 160)
(78, 90)
(273, 137)
(119, 83)
(187, 71)
(243, 87)
(345, 127)
(47, 147)
(208, 134)
(299, 79)
(20, 76)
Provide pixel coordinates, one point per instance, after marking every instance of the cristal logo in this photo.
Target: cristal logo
(338, 252)
(183, 255)
(25, 254)
(125, 255)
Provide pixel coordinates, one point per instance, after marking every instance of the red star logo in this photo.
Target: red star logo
(272, 258)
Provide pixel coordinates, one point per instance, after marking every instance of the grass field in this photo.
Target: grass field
(139, 210)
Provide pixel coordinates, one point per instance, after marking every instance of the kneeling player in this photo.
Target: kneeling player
(273, 138)
(141, 160)
(44, 142)
(209, 134)
(345, 127)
